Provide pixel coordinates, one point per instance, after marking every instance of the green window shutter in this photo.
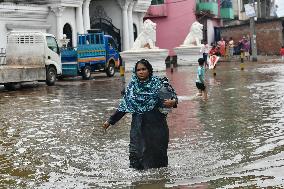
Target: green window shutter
(157, 2)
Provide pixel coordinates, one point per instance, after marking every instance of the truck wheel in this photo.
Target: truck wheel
(60, 77)
(110, 70)
(86, 72)
(10, 86)
(50, 76)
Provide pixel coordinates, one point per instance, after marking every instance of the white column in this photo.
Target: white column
(58, 11)
(79, 19)
(86, 15)
(130, 24)
(239, 10)
(125, 32)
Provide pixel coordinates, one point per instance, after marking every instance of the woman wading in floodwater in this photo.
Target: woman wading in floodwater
(149, 134)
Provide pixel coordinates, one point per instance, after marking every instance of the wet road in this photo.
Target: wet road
(51, 137)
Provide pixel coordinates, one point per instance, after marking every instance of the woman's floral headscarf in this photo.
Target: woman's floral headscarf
(140, 96)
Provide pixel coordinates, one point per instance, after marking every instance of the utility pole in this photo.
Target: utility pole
(253, 36)
(122, 76)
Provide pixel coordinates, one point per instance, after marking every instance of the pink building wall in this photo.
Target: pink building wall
(173, 20)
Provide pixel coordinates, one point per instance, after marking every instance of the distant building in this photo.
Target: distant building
(122, 19)
(212, 14)
(269, 25)
(174, 19)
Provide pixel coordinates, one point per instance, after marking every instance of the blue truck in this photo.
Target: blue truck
(94, 52)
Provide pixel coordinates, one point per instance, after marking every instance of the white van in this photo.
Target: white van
(30, 56)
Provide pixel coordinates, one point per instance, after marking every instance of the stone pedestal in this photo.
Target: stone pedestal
(188, 55)
(156, 57)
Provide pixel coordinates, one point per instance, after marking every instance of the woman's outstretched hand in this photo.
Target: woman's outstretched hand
(106, 125)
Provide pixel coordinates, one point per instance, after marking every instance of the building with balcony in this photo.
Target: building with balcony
(226, 9)
(263, 8)
(212, 14)
(174, 19)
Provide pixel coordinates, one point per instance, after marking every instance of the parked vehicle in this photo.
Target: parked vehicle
(30, 56)
(94, 52)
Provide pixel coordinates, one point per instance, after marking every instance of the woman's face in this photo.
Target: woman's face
(142, 72)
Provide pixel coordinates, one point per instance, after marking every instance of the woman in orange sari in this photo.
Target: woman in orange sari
(222, 47)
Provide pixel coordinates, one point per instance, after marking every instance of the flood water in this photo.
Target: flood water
(52, 137)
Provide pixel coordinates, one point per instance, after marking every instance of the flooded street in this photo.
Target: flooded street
(52, 137)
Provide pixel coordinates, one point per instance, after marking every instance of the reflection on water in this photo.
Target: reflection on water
(51, 137)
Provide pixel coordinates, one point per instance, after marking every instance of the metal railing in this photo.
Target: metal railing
(2, 56)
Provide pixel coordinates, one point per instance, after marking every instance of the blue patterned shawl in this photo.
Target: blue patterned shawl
(140, 96)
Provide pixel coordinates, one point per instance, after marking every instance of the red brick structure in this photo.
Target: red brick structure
(269, 34)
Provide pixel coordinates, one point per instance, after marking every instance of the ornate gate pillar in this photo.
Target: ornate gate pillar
(79, 19)
(58, 11)
(86, 15)
(125, 31)
(130, 24)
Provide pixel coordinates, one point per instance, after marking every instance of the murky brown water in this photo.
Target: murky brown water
(51, 137)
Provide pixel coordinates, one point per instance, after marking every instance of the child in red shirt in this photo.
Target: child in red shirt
(214, 55)
(282, 53)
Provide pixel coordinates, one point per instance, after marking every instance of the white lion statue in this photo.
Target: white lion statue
(195, 35)
(147, 38)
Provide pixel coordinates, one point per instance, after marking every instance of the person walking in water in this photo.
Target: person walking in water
(214, 56)
(200, 80)
(282, 53)
(222, 47)
(231, 48)
(149, 134)
(205, 50)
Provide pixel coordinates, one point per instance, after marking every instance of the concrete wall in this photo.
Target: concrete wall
(269, 35)
(210, 30)
(3, 32)
(173, 29)
(69, 17)
(136, 22)
(236, 7)
(51, 19)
